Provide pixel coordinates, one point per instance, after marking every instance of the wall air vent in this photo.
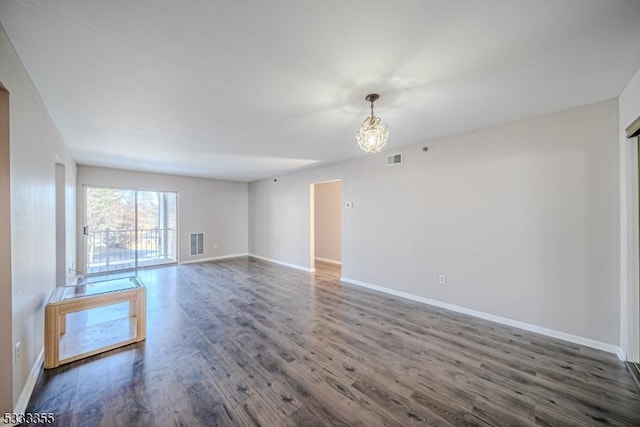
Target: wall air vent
(196, 246)
(394, 159)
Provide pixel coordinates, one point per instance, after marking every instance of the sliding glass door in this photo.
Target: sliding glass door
(126, 229)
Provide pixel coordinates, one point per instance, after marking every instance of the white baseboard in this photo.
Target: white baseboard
(587, 342)
(27, 390)
(330, 261)
(621, 355)
(215, 258)
(286, 264)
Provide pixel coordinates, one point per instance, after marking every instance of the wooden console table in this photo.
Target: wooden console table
(63, 345)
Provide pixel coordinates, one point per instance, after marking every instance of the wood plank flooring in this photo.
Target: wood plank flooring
(243, 342)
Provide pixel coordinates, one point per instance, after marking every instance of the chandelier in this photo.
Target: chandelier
(373, 134)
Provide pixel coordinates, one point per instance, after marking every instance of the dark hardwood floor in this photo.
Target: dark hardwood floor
(244, 342)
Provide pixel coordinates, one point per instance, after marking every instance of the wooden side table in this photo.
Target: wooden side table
(63, 345)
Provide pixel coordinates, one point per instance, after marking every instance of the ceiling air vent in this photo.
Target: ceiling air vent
(197, 244)
(394, 159)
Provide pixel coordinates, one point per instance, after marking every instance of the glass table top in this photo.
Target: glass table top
(100, 287)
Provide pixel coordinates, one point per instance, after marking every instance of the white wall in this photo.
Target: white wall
(629, 107)
(35, 146)
(522, 218)
(328, 221)
(217, 208)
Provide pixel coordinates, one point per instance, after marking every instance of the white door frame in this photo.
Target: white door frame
(630, 245)
(83, 209)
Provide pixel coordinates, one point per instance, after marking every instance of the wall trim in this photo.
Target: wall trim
(575, 339)
(286, 264)
(629, 235)
(621, 355)
(27, 390)
(215, 258)
(330, 261)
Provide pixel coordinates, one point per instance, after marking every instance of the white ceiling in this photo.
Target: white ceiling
(243, 90)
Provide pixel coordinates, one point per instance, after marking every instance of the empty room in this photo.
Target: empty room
(338, 213)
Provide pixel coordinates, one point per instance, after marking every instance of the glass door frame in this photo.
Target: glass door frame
(82, 235)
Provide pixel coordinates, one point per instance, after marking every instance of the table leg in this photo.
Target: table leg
(63, 324)
(52, 336)
(141, 313)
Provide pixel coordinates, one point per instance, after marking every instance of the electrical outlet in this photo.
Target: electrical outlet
(215, 245)
(18, 351)
(442, 279)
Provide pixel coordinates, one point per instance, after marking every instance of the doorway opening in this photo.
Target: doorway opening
(126, 229)
(6, 316)
(326, 228)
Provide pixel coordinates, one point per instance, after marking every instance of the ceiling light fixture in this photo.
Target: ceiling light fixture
(373, 134)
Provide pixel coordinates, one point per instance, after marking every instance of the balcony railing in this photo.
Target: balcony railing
(110, 250)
